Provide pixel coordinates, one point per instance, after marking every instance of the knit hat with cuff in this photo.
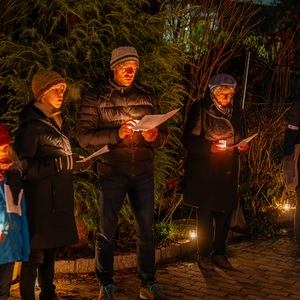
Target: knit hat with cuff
(221, 79)
(4, 135)
(45, 80)
(123, 51)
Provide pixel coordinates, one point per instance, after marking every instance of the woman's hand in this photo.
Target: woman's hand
(218, 147)
(243, 148)
(126, 129)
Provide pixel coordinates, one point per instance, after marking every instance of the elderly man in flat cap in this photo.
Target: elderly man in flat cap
(106, 117)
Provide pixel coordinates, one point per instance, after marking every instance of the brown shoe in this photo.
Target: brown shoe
(152, 292)
(107, 292)
(221, 261)
(204, 262)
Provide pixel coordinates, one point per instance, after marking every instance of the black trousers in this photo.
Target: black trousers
(43, 261)
(6, 273)
(113, 189)
(212, 235)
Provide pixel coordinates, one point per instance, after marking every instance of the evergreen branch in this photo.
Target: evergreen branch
(69, 9)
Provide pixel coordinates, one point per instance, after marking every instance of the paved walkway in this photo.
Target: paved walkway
(262, 270)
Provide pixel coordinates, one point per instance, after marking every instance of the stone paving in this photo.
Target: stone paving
(261, 270)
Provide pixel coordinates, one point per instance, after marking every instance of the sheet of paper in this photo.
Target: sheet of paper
(11, 207)
(244, 141)
(101, 151)
(152, 121)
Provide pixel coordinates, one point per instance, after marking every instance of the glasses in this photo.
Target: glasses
(230, 95)
(127, 69)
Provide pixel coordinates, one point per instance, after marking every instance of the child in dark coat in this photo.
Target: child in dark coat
(14, 239)
(44, 149)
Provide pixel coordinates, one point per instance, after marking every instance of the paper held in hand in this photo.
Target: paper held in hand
(244, 141)
(101, 151)
(152, 121)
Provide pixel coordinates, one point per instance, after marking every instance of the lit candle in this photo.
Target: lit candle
(222, 144)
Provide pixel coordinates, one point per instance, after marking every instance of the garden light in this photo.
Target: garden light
(193, 233)
(286, 206)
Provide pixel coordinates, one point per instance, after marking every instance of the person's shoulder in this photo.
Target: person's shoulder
(295, 103)
(143, 87)
(101, 88)
(196, 106)
(237, 106)
(30, 114)
(27, 109)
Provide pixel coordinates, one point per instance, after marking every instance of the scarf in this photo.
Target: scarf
(227, 110)
(49, 113)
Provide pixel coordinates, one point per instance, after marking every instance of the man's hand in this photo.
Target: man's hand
(243, 148)
(150, 134)
(126, 129)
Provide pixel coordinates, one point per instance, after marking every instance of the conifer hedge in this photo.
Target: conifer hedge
(75, 39)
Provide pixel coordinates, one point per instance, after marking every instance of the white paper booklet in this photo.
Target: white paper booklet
(152, 121)
(11, 207)
(244, 141)
(101, 151)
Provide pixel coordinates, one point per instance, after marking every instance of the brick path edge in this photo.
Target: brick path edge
(126, 261)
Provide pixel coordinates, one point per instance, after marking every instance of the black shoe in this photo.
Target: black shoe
(107, 292)
(221, 261)
(204, 262)
(153, 292)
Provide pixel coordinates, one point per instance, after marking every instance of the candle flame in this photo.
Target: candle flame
(222, 144)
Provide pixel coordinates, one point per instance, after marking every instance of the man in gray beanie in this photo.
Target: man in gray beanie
(107, 115)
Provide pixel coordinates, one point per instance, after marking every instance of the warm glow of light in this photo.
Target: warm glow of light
(286, 206)
(223, 144)
(193, 233)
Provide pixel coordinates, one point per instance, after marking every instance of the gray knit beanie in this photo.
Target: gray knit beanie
(221, 79)
(123, 51)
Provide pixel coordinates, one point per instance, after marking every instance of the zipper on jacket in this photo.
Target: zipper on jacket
(132, 156)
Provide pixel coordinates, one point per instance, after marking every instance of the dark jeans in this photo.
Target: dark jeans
(6, 273)
(212, 237)
(43, 261)
(113, 189)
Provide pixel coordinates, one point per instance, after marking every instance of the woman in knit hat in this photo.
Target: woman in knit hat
(211, 171)
(14, 239)
(44, 150)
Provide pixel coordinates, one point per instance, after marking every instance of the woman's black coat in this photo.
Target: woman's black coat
(211, 179)
(49, 195)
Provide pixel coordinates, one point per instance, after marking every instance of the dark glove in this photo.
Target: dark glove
(64, 163)
(15, 184)
(288, 169)
(79, 164)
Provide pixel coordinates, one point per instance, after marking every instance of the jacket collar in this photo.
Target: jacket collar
(121, 89)
(32, 113)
